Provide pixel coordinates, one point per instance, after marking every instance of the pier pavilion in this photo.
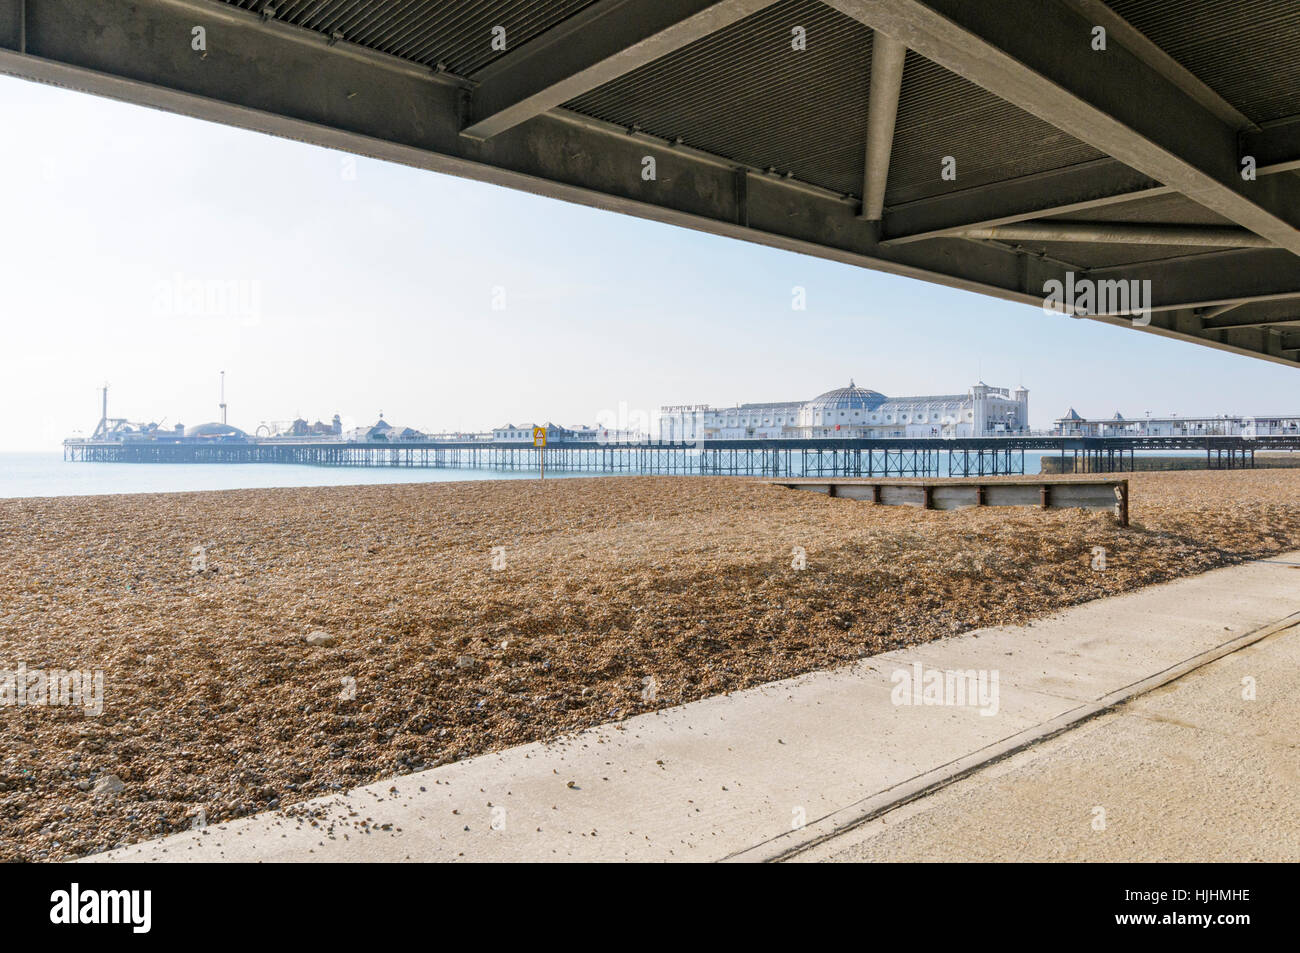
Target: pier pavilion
(856, 412)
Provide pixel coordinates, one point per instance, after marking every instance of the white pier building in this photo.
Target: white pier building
(855, 412)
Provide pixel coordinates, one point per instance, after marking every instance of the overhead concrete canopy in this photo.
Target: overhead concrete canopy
(1006, 147)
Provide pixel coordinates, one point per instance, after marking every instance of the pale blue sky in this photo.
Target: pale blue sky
(375, 293)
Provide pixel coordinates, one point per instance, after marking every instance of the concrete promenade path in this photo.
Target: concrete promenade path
(1190, 771)
(828, 766)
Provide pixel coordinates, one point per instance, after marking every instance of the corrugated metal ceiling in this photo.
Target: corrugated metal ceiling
(1248, 53)
(456, 33)
(1170, 209)
(746, 94)
(941, 114)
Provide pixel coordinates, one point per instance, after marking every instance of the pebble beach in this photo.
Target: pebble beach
(259, 648)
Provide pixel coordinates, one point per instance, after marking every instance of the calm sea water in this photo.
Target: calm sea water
(46, 474)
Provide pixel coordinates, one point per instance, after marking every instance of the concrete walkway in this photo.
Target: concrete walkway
(766, 773)
(1192, 771)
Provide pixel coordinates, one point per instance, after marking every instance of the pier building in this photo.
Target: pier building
(855, 412)
(1224, 425)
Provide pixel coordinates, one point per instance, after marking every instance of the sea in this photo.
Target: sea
(47, 474)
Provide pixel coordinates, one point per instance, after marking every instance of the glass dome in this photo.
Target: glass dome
(847, 398)
(214, 429)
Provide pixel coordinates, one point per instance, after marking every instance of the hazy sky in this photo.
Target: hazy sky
(351, 286)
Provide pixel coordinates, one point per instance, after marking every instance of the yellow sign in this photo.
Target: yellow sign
(539, 436)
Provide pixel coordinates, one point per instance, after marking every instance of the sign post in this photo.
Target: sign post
(539, 441)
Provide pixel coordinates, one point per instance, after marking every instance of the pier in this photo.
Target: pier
(898, 457)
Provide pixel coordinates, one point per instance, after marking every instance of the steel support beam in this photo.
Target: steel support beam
(1275, 147)
(887, 59)
(1036, 54)
(1235, 277)
(1223, 324)
(1119, 30)
(1210, 313)
(1076, 188)
(1122, 233)
(591, 48)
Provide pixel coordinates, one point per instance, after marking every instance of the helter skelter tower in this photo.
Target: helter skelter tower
(103, 413)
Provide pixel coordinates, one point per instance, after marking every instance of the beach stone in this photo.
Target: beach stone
(711, 565)
(321, 638)
(109, 784)
(468, 663)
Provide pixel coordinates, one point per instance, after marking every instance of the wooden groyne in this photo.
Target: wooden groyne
(1111, 495)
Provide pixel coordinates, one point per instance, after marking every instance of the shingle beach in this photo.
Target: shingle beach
(611, 597)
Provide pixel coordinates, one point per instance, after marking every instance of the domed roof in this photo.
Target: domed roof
(848, 398)
(214, 429)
